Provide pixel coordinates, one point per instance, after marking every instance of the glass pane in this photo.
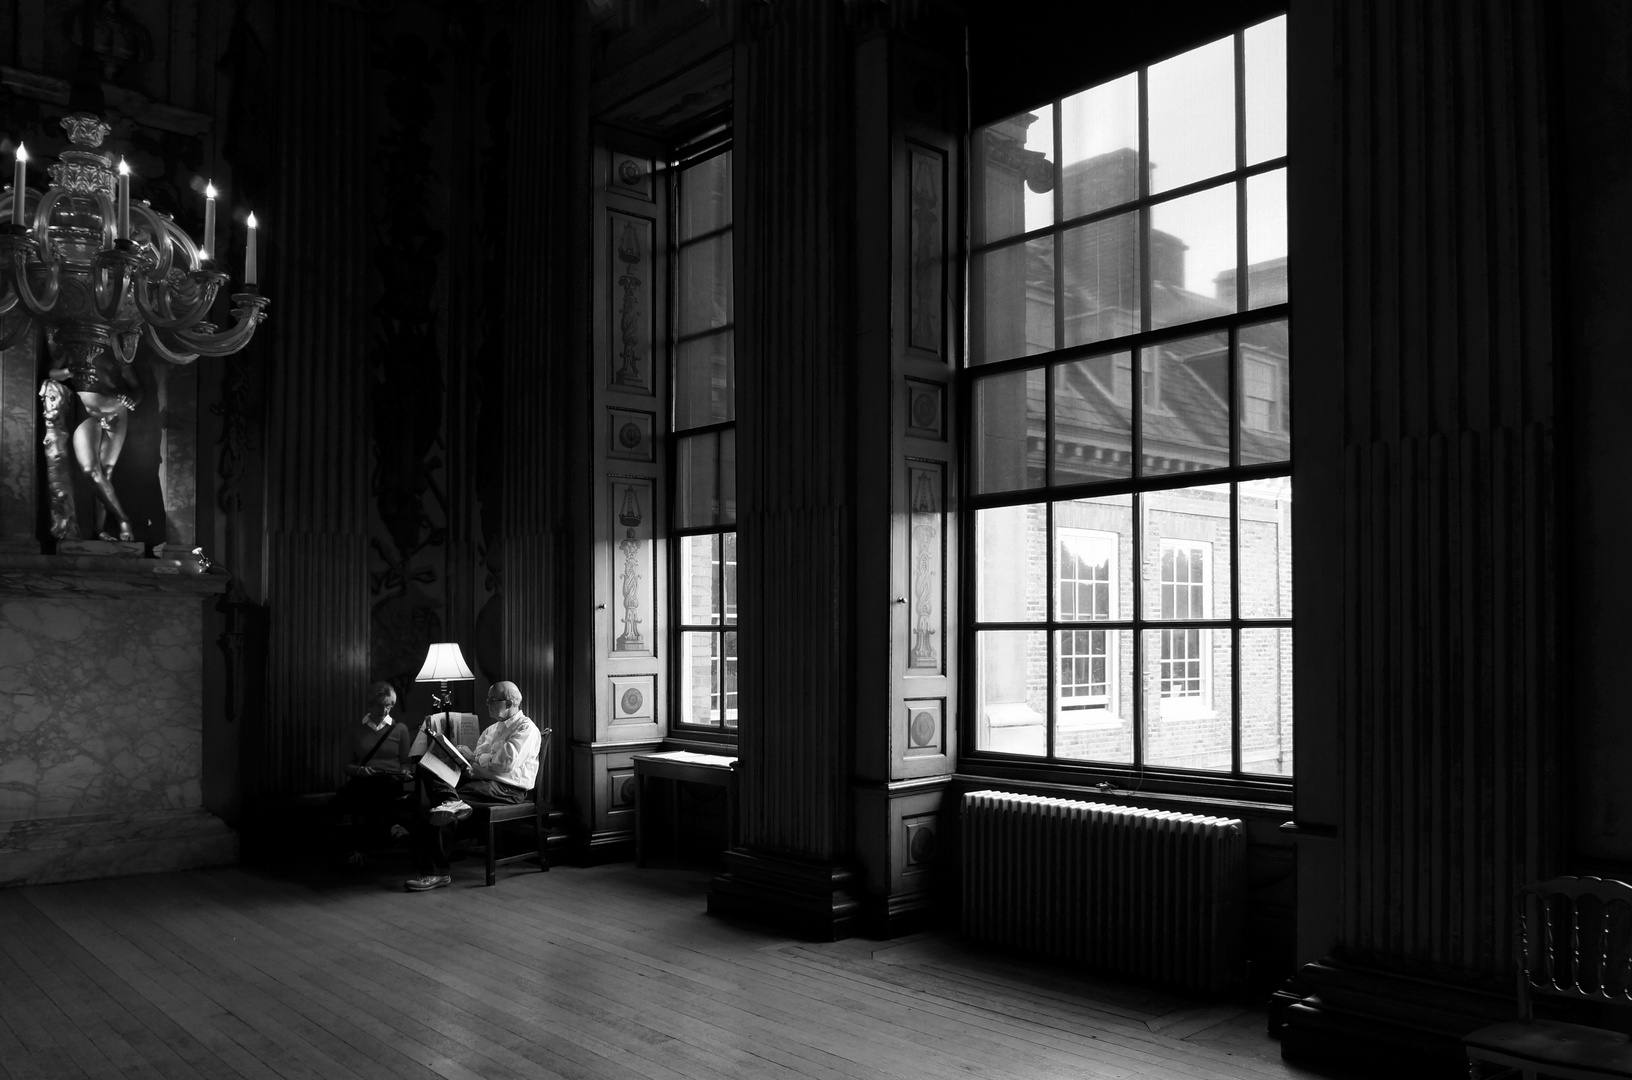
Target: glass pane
(1013, 570)
(700, 585)
(699, 679)
(705, 285)
(1187, 553)
(1014, 176)
(1192, 257)
(1266, 90)
(1187, 686)
(1192, 116)
(1102, 280)
(1093, 559)
(728, 476)
(696, 476)
(703, 381)
(728, 690)
(1010, 431)
(1264, 524)
(1099, 133)
(729, 579)
(1012, 692)
(1011, 301)
(1093, 695)
(1184, 385)
(705, 196)
(1266, 404)
(1093, 419)
(1266, 701)
(1266, 239)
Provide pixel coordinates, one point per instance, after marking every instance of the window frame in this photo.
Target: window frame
(1142, 374)
(721, 626)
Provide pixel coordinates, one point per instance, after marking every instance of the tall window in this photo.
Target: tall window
(1136, 227)
(704, 389)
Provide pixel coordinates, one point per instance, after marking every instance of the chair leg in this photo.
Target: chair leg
(492, 870)
(539, 836)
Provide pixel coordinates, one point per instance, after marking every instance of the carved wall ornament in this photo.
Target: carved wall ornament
(632, 502)
(925, 494)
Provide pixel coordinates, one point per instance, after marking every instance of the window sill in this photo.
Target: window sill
(1082, 781)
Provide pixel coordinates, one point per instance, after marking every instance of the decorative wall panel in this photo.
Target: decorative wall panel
(631, 504)
(926, 488)
(926, 248)
(630, 279)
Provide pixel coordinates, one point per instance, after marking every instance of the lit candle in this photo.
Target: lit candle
(124, 200)
(19, 185)
(209, 219)
(249, 254)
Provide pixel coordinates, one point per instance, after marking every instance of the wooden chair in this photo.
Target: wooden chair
(1573, 943)
(487, 819)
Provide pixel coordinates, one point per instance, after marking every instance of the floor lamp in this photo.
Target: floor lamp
(444, 663)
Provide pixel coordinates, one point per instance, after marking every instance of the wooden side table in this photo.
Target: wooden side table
(676, 766)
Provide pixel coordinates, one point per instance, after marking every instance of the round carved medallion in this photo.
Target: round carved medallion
(922, 728)
(631, 700)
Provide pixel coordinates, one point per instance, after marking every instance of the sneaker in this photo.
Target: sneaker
(449, 812)
(428, 882)
(398, 832)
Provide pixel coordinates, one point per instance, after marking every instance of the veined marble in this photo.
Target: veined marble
(101, 717)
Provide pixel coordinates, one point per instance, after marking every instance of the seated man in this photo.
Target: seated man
(504, 763)
(375, 752)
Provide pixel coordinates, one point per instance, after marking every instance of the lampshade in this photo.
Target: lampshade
(444, 663)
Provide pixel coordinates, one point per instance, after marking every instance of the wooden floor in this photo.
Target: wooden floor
(607, 972)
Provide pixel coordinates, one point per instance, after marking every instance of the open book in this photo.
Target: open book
(438, 742)
(443, 759)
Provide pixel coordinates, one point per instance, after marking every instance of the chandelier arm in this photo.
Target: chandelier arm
(111, 274)
(158, 311)
(17, 272)
(116, 342)
(163, 231)
(246, 315)
(165, 351)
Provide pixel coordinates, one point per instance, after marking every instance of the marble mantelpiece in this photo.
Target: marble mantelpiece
(101, 719)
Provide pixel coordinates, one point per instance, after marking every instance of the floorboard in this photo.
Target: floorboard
(608, 973)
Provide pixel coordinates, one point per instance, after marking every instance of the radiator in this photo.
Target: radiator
(1148, 893)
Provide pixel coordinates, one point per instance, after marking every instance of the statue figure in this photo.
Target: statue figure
(109, 390)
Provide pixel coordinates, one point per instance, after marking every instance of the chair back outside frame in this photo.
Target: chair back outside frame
(1572, 944)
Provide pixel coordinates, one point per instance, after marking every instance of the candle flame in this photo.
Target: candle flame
(252, 220)
(209, 191)
(22, 154)
(124, 170)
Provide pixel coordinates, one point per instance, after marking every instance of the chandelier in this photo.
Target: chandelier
(100, 274)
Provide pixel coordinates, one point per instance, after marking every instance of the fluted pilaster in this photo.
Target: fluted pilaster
(1439, 726)
(793, 431)
(540, 351)
(314, 267)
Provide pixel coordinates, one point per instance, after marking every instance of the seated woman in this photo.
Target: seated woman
(375, 752)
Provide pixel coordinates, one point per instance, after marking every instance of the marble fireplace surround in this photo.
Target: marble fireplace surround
(101, 719)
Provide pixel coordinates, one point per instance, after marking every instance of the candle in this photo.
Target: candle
(209, 219)
(124, 200)
(249, 254)
(19, 186)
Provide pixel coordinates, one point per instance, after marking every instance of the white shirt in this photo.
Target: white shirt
(509, 751)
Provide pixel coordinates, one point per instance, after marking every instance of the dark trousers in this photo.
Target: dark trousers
(371, 801)
(432, 843)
